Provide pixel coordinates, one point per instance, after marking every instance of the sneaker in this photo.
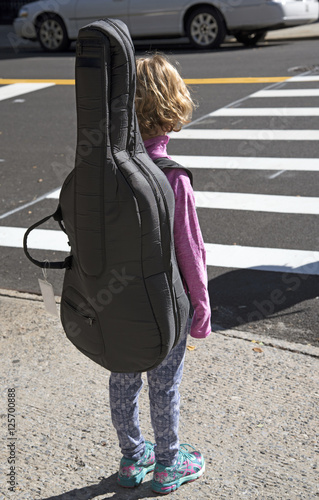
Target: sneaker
(132, 472)
(190, 465)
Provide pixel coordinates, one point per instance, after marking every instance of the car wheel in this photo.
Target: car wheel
(251, 39)
(205, 28)
(52, 33)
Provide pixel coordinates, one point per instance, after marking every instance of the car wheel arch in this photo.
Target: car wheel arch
(195, 7)
(205, 26)
(46, 14)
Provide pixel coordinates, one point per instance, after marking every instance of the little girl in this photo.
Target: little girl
(163, 104)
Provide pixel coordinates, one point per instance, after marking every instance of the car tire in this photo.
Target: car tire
(52, 34)
(251, 39)
(205, 28)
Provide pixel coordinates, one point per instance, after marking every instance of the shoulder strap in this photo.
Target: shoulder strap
(163, 163)
(66, 263)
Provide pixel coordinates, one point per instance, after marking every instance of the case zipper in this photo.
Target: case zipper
(90, 320)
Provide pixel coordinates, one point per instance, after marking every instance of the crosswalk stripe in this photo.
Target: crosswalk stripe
(40, 239)
(263, 259)
(9, 91)
(287, 93)
(250, 202)
(234, 163)
(229, 256)
(303, 79)
(257, 202)
(248, 163)
(247, 134)
(282, 112)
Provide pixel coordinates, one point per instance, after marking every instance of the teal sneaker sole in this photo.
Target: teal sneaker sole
(133, 482)
(165, 489)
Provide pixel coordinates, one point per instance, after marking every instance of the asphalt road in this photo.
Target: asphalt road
(278, 295)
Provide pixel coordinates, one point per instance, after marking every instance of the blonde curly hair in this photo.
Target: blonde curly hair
(162, 100)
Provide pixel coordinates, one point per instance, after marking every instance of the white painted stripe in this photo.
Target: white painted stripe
(229, 256)
(54, 195)
(247, 134)
(40, 239)
(251, 202)
(257, 202)
(234, 163)
(266, 112)
(9, 91)
(313, 78)
(249, 163)
(264, 259)
(287, 93)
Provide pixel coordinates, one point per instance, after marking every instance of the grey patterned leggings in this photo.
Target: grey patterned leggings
(164, 397)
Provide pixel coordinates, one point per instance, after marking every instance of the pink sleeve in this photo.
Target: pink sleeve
(190, 251)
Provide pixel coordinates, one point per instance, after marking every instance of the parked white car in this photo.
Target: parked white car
(55, 23)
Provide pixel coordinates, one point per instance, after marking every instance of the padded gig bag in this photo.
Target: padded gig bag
(123, 301)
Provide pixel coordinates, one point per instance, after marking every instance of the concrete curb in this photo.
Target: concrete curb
(16, 294)
(254, 337)
(260, 340)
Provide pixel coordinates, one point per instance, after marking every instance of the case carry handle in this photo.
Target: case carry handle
(64, 264)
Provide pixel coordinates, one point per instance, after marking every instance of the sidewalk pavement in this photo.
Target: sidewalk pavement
(8, 38)
(250, 407)
(306, 31)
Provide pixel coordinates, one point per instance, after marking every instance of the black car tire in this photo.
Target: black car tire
(52, 33)
(251, 39)
(205, 28)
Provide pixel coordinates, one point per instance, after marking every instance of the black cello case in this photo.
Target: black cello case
(123, 302)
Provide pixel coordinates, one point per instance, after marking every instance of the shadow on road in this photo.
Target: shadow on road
(243, 297)
(107, 485)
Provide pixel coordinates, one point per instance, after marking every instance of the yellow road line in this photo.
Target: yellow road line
(212, 81)
(189, 81)
(8, 81)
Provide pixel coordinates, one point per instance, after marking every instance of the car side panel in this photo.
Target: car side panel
(253, 14)
(156, 18)
(261, 14)
(90, 11)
